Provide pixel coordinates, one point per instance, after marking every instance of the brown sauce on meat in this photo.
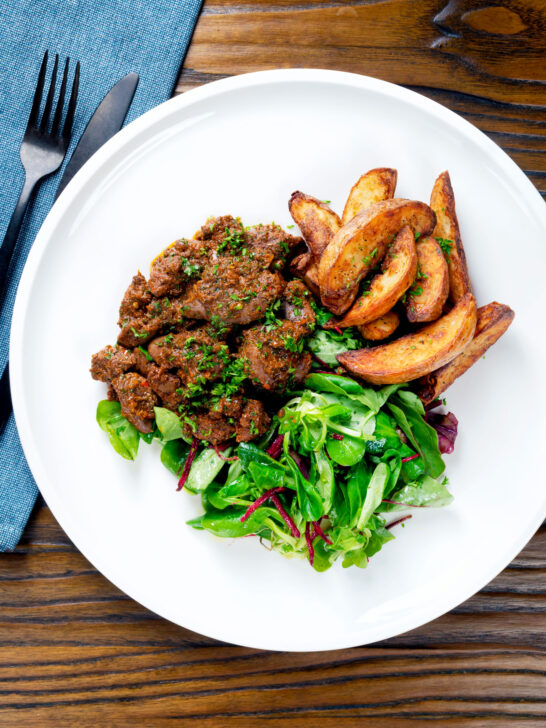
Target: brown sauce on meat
(211, 334)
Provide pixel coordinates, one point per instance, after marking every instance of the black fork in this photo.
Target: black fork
(42, 152)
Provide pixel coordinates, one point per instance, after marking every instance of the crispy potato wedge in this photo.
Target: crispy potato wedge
(374, 186)
(425, 300)
(399, 268)
(493, 320)
(350, 254)
(318, 223)
(304, 267)
(442, 202)
(381, 328)
(414, 355)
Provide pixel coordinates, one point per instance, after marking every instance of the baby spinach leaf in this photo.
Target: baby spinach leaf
(374, 494)
(308, 496)
(325, 479)
(336, 384)
(357, 557)
(168, 423)
(249, 453)
(427, 492)
(421, 435)
(265, 476)
(324, 555)
(227, 523)
(124, 437)
(173, 455)
(204, 469)
(328, 344)
(379, 536)
(355, 490)
(348, 451)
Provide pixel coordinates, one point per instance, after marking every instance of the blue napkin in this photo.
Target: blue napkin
(110, 38)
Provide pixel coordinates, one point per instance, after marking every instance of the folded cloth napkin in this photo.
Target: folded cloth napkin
(110, 38)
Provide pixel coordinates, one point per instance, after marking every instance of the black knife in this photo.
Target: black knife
(105, 122)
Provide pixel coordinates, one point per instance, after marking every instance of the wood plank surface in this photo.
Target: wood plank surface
(75, 651)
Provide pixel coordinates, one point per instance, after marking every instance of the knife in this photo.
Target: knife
(104, 123)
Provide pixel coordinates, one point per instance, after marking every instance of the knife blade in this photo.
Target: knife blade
(105, 122)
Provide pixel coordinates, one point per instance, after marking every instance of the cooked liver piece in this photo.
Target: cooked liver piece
(275, 353)
(210, 426)
(110, 362)
(162, 314)
(253, 423)
(176, 266)
(136, 299)
(163, 382)
(137, 400)
(194, 354)
(234, 290)
(297, 306)
(273, 239)
(228, 277)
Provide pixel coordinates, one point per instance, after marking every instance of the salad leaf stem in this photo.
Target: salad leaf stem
(398, 503)
(275, 449)
(321, 533)
(286, 518)
(398, 520)
(309, 541)
(217, 450)
(187, 465)
(261, 500)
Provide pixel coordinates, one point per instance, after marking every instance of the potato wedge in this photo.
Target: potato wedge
(399, 268)
(350, 254)
(318, 223)
(414, 355)
(381, 328)
(304, 267)
(425, 300)
(442, 201)
(374, 186)
(493, 320)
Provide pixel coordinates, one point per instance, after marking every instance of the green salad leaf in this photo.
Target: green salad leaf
(327, 344)
(351, 456)
(123, 436)
(168, 423)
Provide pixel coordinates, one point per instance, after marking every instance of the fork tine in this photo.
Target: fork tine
(33, 118)
(60, 102)
(67, 128)
(51, 93)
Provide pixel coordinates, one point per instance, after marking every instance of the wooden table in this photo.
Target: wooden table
(75, 651)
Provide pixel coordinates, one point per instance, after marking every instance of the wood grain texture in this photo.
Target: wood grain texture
(75, 651)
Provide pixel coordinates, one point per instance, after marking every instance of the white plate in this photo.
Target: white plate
(241, 146)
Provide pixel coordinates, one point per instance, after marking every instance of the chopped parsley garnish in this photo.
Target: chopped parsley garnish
(271, 320)
(146, 353)
(446, 246)
(233, 239)
(321, 314)
(189, 269)
(368, 258)
(136, 333)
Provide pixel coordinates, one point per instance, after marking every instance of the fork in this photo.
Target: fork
(42, 152)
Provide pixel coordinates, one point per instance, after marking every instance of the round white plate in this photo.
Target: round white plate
(241, 146)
